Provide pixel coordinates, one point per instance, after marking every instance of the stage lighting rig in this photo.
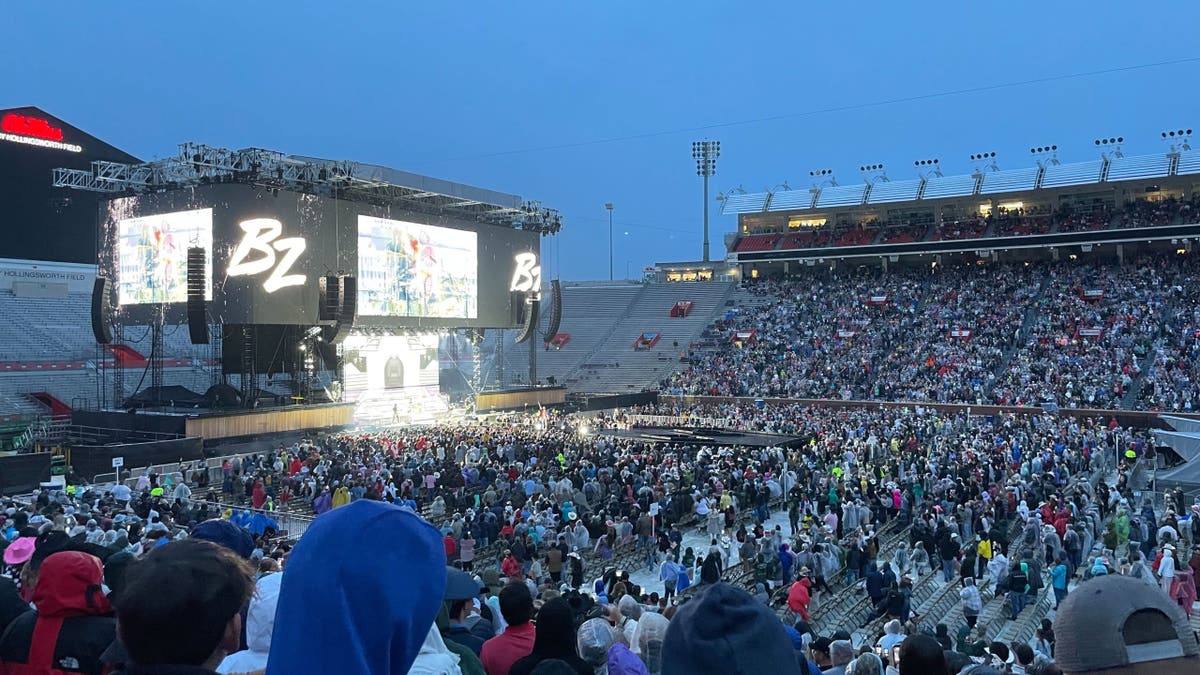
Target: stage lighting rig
(535, 218)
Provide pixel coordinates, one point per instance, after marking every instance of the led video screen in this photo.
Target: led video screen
(412, 270)
(152, 256)
(380, 362)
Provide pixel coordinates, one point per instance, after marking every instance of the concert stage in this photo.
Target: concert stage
(688, 436)
(519, 399)
(212, 425)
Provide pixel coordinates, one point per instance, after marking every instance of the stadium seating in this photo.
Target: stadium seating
(616, 367)
(588, 314)
(1079, 335)
(757, 242)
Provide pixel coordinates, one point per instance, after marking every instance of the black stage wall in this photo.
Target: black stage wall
(22, 473)
(88, 461)
(131, 422)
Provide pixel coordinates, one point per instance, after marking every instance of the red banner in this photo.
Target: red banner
(877, 300)
(960, 333)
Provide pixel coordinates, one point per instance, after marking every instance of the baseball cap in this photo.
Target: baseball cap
(821, 644)
(460, 585)
(1113, 621)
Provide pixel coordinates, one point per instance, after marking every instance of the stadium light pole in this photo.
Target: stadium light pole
(609, 206)
(706, 153)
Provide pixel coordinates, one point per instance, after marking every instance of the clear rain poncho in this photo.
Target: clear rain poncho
(648, 640)
(594, 640)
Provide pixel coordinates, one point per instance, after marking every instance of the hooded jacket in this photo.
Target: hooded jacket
(260, 622)
(555, 639)
(435, 658)
(799, 596)
(621, 661)
(724, 630)
(362, 587)
(72, 625)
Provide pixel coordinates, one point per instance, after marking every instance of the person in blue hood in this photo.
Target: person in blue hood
(361, 589)
(241, 518)
(260, 523)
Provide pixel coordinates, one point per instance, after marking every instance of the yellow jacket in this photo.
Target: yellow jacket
(985, 549)
(341, 497)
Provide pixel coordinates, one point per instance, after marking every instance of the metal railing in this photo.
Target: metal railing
(292, 525)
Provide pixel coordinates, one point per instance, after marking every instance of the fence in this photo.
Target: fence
(674, 420)
(129, 476)
(293, 525)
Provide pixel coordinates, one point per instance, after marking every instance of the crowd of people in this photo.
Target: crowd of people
(1001, 222)
(545, 544)
(1070, 334)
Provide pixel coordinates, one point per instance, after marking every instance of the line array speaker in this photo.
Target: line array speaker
(344, 288)
(197, 306)
(101, 304)
(529, 324)
(555, 311)
(331, 298)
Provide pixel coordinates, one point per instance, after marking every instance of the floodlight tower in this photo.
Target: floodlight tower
(706, 153)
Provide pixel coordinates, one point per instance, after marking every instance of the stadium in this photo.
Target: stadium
(341, 417)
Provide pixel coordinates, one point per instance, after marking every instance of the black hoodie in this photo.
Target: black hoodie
(554, 639)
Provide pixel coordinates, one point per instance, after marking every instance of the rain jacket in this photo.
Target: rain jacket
(435, 658)
(799, 597)
(72, 625)
(260, 622)
(362, 587)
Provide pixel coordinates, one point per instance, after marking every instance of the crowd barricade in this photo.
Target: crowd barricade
(676, 420)
(291, 525)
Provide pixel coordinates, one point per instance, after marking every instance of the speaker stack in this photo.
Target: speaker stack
(197, 306)
(101, 307)
(529, 319)
(555, 311)
(339, 303)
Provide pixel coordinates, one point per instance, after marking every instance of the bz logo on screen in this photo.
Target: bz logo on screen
(527, 277)
(256, 253)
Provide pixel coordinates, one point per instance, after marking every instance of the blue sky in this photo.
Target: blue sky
(482, 92)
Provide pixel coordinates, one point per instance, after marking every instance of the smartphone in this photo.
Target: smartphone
(895, 660)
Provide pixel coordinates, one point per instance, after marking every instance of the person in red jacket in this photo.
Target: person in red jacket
(72, 625)
(800, 595)
(511, 567)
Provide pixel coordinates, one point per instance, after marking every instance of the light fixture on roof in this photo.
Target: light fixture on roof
(1046, 155)
(1180, 137)
(873, 173)
(989, 157)
(1113, 142)
(928, 167)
